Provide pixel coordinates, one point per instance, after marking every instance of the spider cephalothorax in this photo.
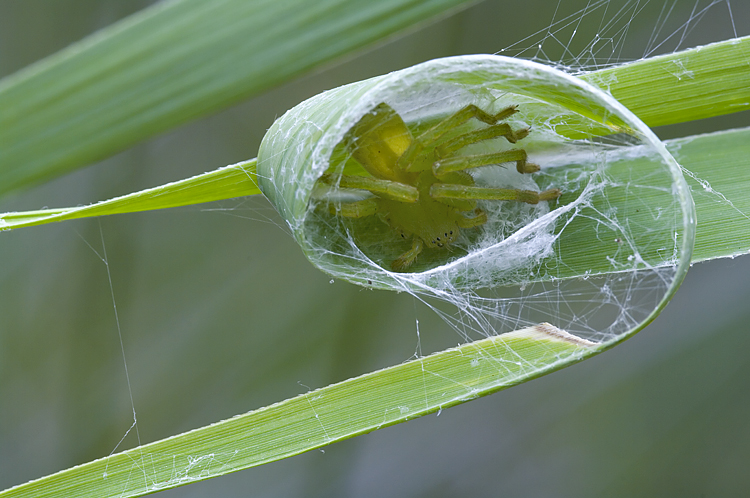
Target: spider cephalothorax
(420, 187)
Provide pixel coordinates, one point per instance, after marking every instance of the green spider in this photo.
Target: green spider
(421, 189)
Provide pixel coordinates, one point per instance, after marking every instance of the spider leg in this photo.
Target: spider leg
(459, 163)
(448, 191)
(472, 137)
(480, 218)
(383, 188)
(430, 136)
(358, 209)
(459, 178)
(406, 259)
(462, 116)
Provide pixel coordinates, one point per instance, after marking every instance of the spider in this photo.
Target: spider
(420, 188)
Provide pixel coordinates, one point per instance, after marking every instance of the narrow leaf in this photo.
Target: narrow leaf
(693, 84)
(173, 63)
(716, 168)
(228, 182)
(158, 69)
(321, 417)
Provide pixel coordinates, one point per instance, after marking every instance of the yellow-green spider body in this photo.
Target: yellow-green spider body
(421, 189)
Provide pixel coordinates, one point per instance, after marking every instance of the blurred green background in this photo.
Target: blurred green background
(202, 292)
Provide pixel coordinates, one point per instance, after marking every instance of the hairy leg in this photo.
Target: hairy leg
(441, 191)
(405, 260)
(479, 218)
(407, 161)
(460, 163)
(384, 188)
(358, 209)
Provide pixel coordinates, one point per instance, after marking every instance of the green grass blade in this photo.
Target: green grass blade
(318, 418)
(693, 84)
(716, 169)
(228, 182)
(170, 64)
(159, 68)
(718, 160)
